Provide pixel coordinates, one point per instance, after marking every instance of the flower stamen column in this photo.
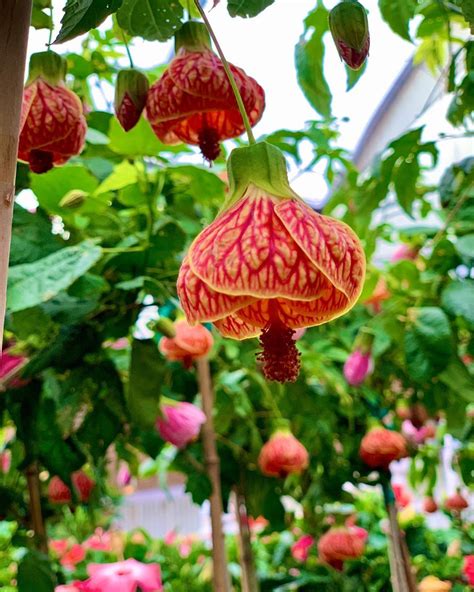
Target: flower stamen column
(219, 556)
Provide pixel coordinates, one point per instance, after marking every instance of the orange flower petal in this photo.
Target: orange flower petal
(235, 328)
(200, 302)
(247, 250)
(331, 245)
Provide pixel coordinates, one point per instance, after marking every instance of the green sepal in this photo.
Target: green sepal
(281, 425)
(364, 340)
(133, 83)
(47, 65)
(262, 165)
(348, 22)
(193, 36)
(165, 326)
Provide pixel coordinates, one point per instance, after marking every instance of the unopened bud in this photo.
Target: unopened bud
(350, 31)
(130, 97)
(73, 199)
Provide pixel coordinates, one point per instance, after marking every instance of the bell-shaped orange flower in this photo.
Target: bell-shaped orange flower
(193, 101)
(268, 264)
(52, 126)
(187, 344)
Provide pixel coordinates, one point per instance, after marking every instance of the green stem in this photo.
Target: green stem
(230, 76)
(127, 48)
(51, 27)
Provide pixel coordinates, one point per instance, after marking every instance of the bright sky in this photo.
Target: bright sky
(264, 47)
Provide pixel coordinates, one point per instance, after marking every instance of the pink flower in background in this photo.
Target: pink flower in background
(58, 546)
(300, 549)
(170, 537)
(68, 588)
(418, 435)
(9, 363)
(71, 558)
(403, 252)
(124, 576)
(256, 525)
(357, 367)
(5, 461)
(180, 423)
(119, 344)
(186, 545)
(124, 477)
(99, 541)
(468, 569)
(359, 532)
(402, 497)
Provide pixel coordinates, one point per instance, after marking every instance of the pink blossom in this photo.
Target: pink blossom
(9, 363)
(186, 545)
(124, 477)
(359, 532)
(170, 537)
(71, 558)
(402, 496)
(67, 588)
(180, 423)
(300, 549)
(119, 344)
(5, 461)
(468, 569)
(403, 252)
(99, 541)
(58, 546)
(418, 435)
(256, 525)
(124, 576)
(357, 367)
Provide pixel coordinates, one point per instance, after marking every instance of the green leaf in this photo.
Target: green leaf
(146, 380)
(309, 56)
(151, 19)
(99, 430)
(397, 13)
(458, 300)
(32, 236)
(456, 376)
(139, 141)
(123, 175)
(467, 7)
(30, 284)
(246, 8)
(428, 342)
(40, 19)
(353, 76)
(465, 246)
(52, 186)
(35, 573)
(199, 486)
(80, 16)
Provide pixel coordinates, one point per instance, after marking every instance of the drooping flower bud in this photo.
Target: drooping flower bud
(283, 455)
(300, 549)
(73, 199)
(350, 31)
(83, 485)
(357, 367)
(131, 90)
(188, 343)
(180, 422)
(429, 505)
(341, 544)
(58, 491)
(456, 502)
(380, 447)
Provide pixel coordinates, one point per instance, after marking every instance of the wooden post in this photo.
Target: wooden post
(36, 515)
(219, 556)
(14, 26)
(247, 564)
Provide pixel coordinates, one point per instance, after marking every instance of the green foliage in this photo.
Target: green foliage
(397, 13)
(34, 573)
(309, 58)
(156, 20)
(32, 283)
(247, 8)
(146, 376)
(82, 15)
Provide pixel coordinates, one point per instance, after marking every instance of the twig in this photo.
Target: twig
(35, 507)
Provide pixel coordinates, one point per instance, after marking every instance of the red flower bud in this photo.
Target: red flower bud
(456, 502)
(52, 125)
(429, 505)
(83, 485)
(341, 544)
(380, 447)
(58, 491)
(350, 31)
(188, 343)
(131, 90)
(283, 455)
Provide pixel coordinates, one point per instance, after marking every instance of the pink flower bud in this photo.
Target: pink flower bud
(357, 367)
(403, 252)
(5, 461)
(300, 549)
(124, 477)
(180, 423)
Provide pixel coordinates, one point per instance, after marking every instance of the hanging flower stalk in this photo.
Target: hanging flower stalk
(268, 264)
(52, 126)
(194, 102)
